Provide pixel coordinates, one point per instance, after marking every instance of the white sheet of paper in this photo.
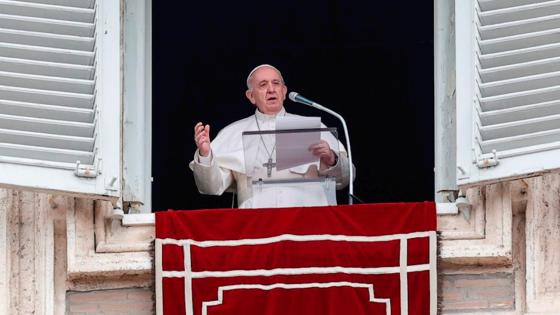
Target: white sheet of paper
(292, 149)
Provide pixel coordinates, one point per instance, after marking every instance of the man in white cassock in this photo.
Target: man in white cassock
(219, 165)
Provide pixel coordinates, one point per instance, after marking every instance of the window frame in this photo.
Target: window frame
(137, 106)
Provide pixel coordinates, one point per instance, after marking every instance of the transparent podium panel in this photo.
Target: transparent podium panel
(283, 171)
(291, 193)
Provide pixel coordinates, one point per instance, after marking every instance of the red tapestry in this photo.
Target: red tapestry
(357, 259)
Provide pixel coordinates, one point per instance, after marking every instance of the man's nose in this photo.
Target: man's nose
(270, 87)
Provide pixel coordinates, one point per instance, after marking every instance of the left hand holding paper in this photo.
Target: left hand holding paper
(324, 152)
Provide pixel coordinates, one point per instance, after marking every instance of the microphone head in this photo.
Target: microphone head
(293, 96)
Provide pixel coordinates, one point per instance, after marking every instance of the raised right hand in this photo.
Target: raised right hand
(202, 138)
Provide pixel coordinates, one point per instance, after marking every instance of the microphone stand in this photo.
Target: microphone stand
(351, 166)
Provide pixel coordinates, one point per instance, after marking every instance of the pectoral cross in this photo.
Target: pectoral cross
(269, 167)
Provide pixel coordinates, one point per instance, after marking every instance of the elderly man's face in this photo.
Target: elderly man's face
(268, 91)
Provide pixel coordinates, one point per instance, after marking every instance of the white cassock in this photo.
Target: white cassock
(225, 168)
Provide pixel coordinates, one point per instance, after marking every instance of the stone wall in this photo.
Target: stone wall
(472, 292)
(53, 245)
(111, 302)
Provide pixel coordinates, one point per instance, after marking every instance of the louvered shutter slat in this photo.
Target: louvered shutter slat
(516, 145)
(519, 84)
(38, 10)
(64, 70)
(520, 56)
(46, 40)
(520, 98)
(520, 113)
(47, 81)
(69, 3)
(521, 41)
(517, 128)
(45, 154)
(46, 111)
(56, 55)
(33, 24)
(520, 12)
(46, 140)
(46, 97)
(520, 70)
(488, 5)
(47, 126)
(520, 27)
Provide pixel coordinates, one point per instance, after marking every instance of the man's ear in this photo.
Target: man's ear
(249, 94)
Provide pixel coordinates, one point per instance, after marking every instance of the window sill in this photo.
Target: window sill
(139, 219)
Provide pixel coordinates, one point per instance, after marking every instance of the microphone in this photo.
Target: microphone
(296, 97)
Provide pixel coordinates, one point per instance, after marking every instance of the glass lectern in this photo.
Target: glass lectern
(283, 172)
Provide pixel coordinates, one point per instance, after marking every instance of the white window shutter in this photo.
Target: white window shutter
(508, 89)
(60, 95)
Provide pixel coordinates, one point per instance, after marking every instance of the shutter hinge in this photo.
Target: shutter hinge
(87, 171)
(488, 160)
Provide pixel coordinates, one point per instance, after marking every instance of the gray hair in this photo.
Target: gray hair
(250, 76)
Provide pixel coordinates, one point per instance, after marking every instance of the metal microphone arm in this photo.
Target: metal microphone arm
(348, 149)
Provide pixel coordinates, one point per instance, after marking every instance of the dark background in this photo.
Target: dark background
(370, 61)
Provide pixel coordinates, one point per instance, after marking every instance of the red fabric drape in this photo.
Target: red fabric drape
(318, 260)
